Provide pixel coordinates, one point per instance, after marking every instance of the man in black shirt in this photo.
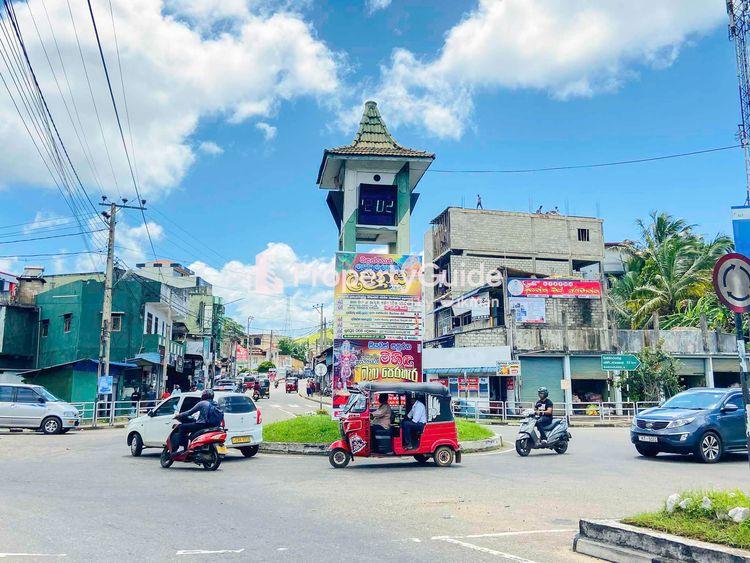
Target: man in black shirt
(543, 408)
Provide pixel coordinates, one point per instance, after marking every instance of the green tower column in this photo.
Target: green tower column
(403, 212)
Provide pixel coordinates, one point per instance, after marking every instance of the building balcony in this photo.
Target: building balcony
(155, 343)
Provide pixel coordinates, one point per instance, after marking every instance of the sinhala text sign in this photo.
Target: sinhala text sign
(378, 321)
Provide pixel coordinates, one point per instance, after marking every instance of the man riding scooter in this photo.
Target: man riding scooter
(543, 408)
(209, 416)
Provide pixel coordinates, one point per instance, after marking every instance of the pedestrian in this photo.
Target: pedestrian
(135, 398)
(176, 390)
(150, 394)
(165, 395)
(479, 202)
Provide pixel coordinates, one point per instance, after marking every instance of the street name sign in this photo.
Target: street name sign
(620, 362)
(732, 281)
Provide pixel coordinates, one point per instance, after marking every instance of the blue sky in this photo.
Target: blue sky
(257, 185)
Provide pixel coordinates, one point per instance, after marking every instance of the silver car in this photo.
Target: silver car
(32, 406)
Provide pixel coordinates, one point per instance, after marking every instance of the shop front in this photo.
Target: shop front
(541, 371)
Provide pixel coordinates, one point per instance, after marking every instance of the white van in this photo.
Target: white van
(32, 406)
(242, 419)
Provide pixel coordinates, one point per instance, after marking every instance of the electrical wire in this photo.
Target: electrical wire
(53, 254)
(51, 236)
(596, 165)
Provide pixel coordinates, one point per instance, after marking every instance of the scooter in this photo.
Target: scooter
(528, 436)
(206, 448)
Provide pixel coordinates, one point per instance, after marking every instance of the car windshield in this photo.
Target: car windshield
(47, 395)
(695, 401)
(357, 403)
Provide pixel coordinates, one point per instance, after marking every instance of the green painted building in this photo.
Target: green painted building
(18, 339)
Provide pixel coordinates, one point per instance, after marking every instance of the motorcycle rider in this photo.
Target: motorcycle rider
(209, 415)
(543, 409)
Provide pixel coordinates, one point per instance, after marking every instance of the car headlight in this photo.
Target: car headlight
(70, 413)
(634, 423)
(680, 422)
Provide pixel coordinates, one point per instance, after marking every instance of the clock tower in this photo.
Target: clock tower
(371, 185)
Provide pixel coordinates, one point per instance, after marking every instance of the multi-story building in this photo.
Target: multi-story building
(531, 288)
(18, 322)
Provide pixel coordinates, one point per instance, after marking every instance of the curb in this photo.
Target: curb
(304, 448)
(614, 541)
(326, 400)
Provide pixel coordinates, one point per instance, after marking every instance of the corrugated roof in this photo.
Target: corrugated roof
(373, 139)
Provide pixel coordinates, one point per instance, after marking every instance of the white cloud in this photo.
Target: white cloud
(264, 284)
(269, 131)
(209, 147)
(569, 48)
(375, 5)
(10, 266)
(182, 61)
(46, 221)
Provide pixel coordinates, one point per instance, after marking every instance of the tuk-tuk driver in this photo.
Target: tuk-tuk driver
(382, 415)
(414, 421)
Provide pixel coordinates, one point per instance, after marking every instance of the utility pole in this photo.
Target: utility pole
(167, 339)
(249, 320)
(106, 327)
(739, 28)
(319, 348)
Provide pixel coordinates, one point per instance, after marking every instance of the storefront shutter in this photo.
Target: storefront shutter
(541, 372)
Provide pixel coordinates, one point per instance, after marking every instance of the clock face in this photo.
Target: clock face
(377, 205)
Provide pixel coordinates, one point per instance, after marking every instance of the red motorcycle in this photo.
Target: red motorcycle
(206, 448)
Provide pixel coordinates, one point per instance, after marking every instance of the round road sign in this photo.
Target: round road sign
(732, 281)
(321, 370)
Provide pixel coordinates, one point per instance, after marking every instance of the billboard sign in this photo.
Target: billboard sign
(528, 310)
(741, 228)
(554, 288)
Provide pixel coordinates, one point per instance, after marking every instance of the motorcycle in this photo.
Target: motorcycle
(256, 395)
(528, 436)
(206, 448)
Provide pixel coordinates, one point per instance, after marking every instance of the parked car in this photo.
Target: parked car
(242, 419)
(32, 406)
(705, 422)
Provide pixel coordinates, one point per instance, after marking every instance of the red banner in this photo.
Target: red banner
(241, 353)
(570, 289)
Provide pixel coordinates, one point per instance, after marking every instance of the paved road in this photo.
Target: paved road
(82, 495)
(281, 405)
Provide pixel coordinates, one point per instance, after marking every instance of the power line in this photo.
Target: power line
(579, 166)
(52, 236)
(119, 125)
(58, 220)
(52, 254)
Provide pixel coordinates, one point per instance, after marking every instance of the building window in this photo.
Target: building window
(256, 341)
(116, 322)
(583, 235)
(67, 318)
(156, 325)
(149, 320)
(45, 327)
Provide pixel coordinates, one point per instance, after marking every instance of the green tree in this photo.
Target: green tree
(265, 366)
(289, 347)
(232, 330)
(669, 272)
(654, 379)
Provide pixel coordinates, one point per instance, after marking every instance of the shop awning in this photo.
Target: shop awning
(146, 358)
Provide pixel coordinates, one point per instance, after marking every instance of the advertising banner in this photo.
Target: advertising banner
(529, 310)
(377, 321)
(358, 360)
(567, 289)
(478, 304)
(741, 228)
(241, 353)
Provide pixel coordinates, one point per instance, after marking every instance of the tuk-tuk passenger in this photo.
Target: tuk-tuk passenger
(381, 418)
(414, 423)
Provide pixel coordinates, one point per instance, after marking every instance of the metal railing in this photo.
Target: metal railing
(590, 411)
(109, 413)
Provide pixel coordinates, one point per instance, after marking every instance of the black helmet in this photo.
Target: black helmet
(207, 395)
(543, 392)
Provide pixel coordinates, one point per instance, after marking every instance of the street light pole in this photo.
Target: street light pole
(743, 375)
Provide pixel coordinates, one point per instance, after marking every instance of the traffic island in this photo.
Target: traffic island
(695, 526)
(312, 434)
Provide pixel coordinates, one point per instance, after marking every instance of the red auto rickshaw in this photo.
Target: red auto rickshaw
(438, 439)
(291, 385)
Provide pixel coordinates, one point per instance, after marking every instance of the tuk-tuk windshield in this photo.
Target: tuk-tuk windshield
(357, 403)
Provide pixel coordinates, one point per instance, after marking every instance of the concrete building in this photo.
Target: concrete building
(533, 283)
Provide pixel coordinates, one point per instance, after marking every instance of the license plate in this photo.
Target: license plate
(242, 439)
(648, 439)
(221, 449)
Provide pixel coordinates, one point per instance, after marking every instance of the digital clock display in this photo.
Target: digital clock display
(377, 205)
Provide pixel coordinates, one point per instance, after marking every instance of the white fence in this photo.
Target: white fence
(504, 411)
(109, 413)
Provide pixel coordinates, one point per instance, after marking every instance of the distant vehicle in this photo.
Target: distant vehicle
(265, 387)
(248, 381)
(291, 385)
(705, 422)
(32, 406)
(242, 419)
(224, 385)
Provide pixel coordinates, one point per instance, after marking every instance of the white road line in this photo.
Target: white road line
(288, 412)
(4, 555)
(507, 534)
(502, 554)
(207, 551)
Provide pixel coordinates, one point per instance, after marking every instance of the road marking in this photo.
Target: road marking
(208, 551)
(288, 412)
(4, 555)
(502, 554)
(497, 452)
(282, 548)
(505, 534)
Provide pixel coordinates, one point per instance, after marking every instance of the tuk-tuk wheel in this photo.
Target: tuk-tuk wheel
(444, 456)
(339, 458)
